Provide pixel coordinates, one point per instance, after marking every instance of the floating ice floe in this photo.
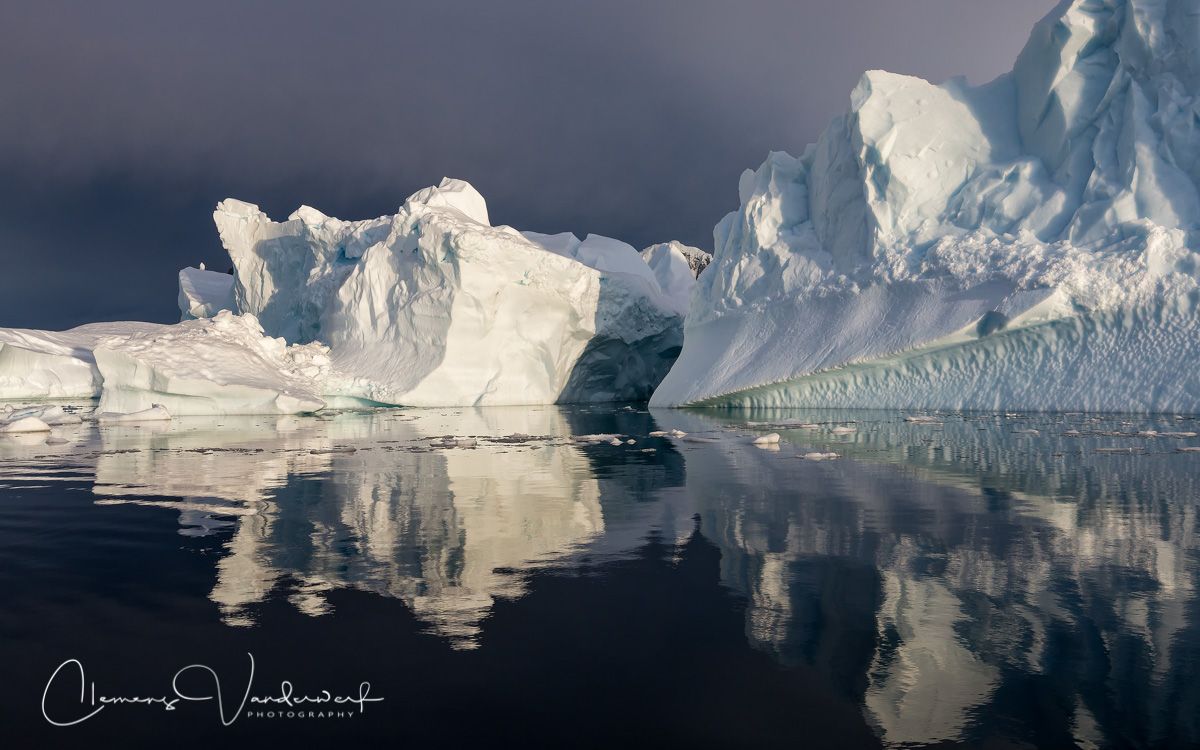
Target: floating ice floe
(597, 438)
(668, 433)
(52, 414)
(455, 442)
(23, 425)
(156, 413)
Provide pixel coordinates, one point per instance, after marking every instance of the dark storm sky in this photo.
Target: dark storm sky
(123, 122)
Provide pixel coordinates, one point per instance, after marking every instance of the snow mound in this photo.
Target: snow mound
(202, 294)
(435, 307)
(1024, 244)
(54, 364)
(222, 365)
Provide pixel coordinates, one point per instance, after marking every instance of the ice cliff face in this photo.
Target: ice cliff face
(1026, 244)
(434, 306)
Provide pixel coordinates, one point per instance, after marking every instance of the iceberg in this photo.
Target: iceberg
(1024, 244)
(435, 307)
(430, 307)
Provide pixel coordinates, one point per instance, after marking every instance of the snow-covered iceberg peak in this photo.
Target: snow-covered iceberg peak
(434, 306)
(1021, 244)
(287, 272)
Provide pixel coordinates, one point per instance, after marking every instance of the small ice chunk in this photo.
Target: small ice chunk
(819, 456)
(156, 413)
(24, 425)
(54, 416)
(770, 439)
(598, 438)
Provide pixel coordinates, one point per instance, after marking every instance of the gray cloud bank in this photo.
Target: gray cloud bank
(122, 123)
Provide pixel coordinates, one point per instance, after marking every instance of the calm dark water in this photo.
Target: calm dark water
(989, 581)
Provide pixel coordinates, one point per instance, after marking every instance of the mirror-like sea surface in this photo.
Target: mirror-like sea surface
(561, 577)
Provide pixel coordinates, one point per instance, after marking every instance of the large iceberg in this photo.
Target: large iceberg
(436, 307)
(430, 307)
(1025, 244)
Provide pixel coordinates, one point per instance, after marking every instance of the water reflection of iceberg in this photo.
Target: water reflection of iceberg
(939, 576)
(998, 557)
(364, 501)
